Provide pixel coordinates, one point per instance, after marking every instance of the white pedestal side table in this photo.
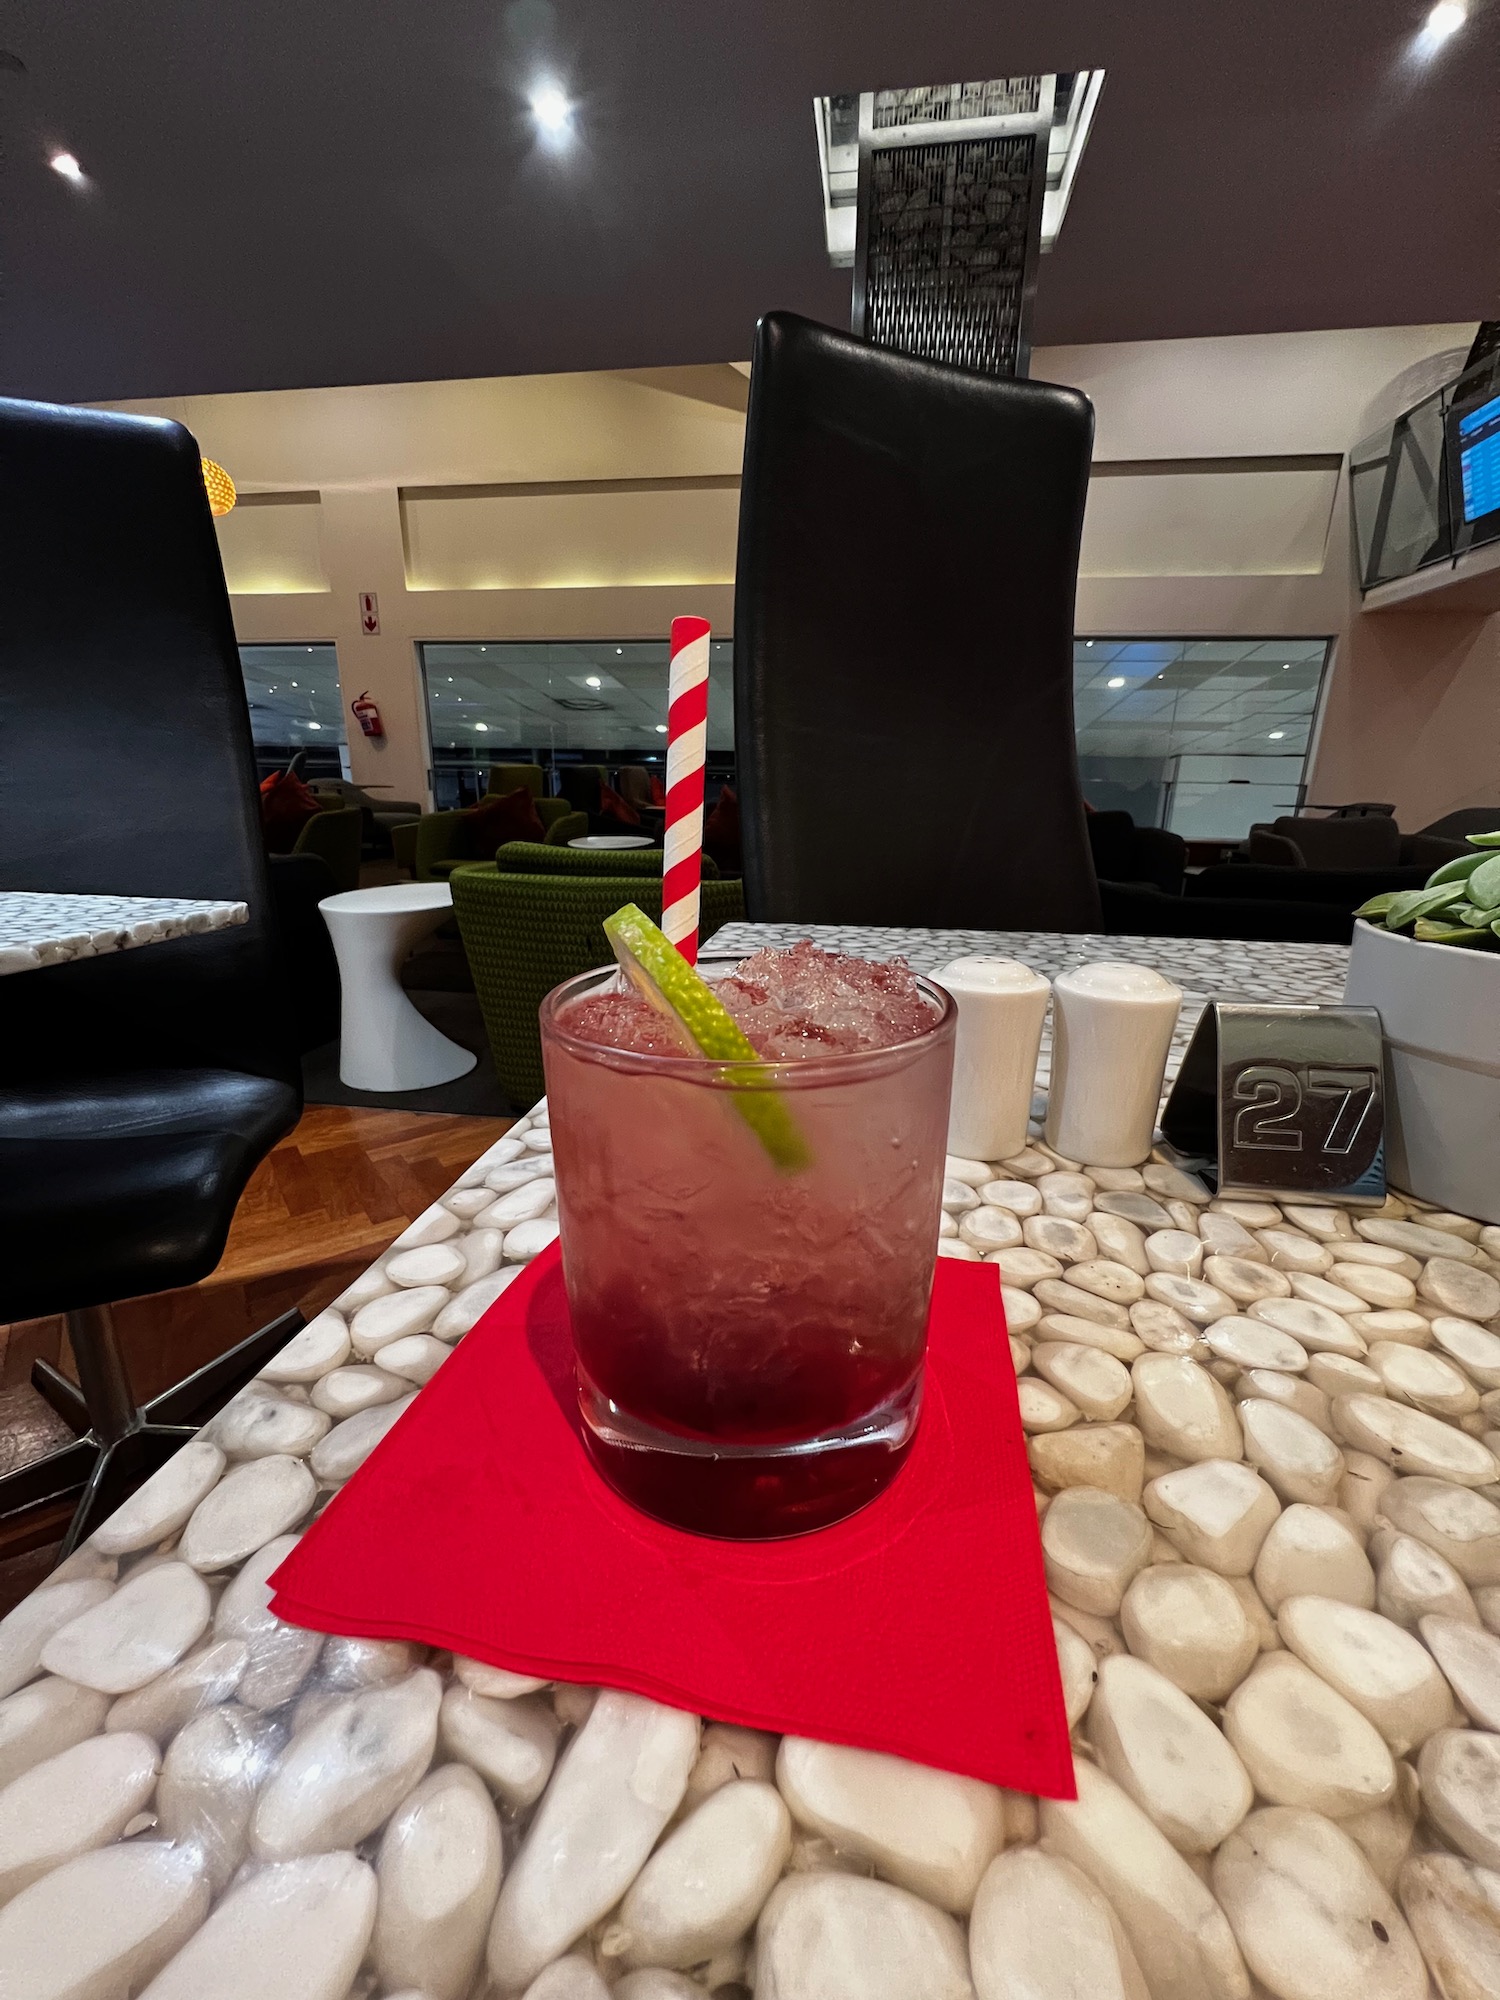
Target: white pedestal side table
(384, 1043)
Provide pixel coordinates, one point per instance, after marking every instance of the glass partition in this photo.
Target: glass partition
(296, 709)
(559, 702)
(1426, 488)
(1204, 736)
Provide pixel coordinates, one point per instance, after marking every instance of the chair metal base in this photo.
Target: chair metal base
(120, 1443)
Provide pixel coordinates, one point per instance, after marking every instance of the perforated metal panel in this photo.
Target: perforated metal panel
(949, 227)
(946, 251)
(942, 103)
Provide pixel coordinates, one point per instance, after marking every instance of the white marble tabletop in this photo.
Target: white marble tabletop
(39, 928)
(1304, 975)
(1263, 1439)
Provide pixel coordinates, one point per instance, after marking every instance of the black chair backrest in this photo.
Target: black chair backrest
(126, 764)
(908, 555)
(1371, 841)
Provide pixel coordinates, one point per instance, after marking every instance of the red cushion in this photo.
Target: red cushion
(511, 816)
(286, 805)
(612, 806)
(658, 791)
(721, 832)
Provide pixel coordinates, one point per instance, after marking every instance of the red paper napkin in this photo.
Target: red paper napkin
(918, 1626)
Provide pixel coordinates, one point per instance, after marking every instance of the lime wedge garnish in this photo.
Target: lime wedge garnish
(662, 976)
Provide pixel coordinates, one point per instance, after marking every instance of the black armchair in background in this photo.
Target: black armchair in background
(904, 590)
(138, 1091)
(1125, 852)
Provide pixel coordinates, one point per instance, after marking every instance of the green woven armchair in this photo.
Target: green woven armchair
(524, 933)
(528, 857)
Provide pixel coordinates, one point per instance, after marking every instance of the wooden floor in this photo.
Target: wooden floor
(319, 1209)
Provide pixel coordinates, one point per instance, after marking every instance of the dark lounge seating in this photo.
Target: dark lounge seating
(139, 1090)
(908, 551)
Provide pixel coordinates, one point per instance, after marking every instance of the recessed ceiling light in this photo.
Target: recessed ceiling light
(551, 110)
(481, 725)
(294, 683)
(315, 725)
(1276, 735)
(1088, 642)
(661, 729)
(66, 165)
(1287, 668)
(1117, 682)
(619, 649)
(1446, 18)
(592, 681)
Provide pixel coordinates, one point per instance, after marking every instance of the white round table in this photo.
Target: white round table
(384, 1043)
(603, 842)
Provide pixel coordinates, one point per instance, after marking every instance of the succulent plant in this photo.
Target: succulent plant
(1459, 905)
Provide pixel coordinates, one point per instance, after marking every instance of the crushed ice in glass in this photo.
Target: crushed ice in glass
(798, 1003)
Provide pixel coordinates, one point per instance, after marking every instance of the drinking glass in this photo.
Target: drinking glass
(749, 1339)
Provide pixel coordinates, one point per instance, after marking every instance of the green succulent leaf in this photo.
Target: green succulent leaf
(1484, 884)
(1484, 839)
(1457, 871)
(1469, 913)
(1413, 903)
(1378, 905)
(1430, 932)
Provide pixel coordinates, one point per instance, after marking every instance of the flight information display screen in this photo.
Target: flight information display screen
(1479, 459)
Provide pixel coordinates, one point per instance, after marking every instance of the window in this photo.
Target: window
(1202, 736)
(296, 708)
(555, 702)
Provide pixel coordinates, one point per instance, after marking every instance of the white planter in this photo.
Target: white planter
(1440, 1013)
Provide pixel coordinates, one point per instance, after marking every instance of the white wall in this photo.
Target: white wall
(574, 506)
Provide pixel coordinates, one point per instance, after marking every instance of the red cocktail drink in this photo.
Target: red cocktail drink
(750, 1334)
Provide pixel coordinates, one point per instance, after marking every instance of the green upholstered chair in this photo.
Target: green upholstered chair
(510, 777)
(525, 932)
(335, 837)
(579, 785)
(437, 843)
(404, 844)
(563, 826)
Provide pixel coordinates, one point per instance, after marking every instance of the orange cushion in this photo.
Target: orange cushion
(510, 816)
(286, 805)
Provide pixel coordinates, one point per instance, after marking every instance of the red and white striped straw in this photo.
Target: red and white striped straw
(687, 743)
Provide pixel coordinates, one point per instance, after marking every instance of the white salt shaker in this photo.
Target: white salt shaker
(1001, 1007)
(1111, 1030)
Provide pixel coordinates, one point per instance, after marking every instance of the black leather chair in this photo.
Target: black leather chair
(1125, 852)
(138, 1090)
(903, 641)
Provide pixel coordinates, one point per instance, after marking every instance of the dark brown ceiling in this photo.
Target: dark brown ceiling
(297, 192)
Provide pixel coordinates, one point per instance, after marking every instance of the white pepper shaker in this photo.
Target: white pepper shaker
(1001, 1007)
(1111, 1030)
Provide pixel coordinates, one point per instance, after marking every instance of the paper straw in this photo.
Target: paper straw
(687, 743)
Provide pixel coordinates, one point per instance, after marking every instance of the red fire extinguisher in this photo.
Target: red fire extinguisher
(367, 715)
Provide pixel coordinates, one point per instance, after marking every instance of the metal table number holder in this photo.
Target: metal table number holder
(1283, 1101)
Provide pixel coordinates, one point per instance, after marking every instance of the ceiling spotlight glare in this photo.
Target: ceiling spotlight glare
(661, 729)
(481, 725)
(66, 165)
(1446, 18)
(593, 681)
(1276, 735)
(1117, 682)
(551, 110)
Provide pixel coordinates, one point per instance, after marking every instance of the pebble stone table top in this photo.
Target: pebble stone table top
(37, 928)
(1263, 1441)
